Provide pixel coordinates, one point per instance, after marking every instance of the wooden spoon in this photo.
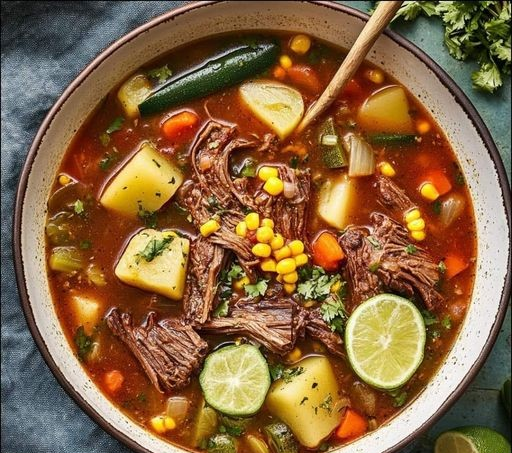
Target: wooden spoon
(374, 27)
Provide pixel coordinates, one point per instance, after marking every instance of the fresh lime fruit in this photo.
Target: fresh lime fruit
(385, 341)
(472, 439)
(235, 380)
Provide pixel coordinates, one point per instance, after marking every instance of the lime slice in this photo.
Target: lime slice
(472, 439)
(235, 380)
(385, 341)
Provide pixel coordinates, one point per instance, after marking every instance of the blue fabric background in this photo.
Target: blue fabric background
(44, 47)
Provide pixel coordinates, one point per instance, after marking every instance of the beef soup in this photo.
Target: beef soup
(237, 287)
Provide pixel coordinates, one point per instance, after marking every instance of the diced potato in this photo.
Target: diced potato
(86, 310)
(279, 106)
(145, 183)
(386, 110)
(310, 403)
(154, 263)
(132, 93)
(335, 200)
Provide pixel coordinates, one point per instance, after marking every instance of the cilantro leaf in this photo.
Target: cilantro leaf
(278, 371)
(78, 207)
(83, 342)
(248, 169)
(316, 284)
(334, 313)
(154, 248)
(161, 74)
(411, 249)
(429, 318)
(116, 125)
(222, 309)
(257, 289)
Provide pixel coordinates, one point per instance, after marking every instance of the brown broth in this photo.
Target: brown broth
(108, 232)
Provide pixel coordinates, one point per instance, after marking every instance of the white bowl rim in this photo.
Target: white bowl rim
(448, 82)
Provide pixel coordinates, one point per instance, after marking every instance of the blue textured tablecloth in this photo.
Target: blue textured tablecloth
(44, 47)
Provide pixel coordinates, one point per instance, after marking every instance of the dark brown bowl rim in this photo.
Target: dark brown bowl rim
(447, 81)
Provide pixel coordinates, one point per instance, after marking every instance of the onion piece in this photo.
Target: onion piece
(177, 408)
(451, 209)
(289, 189)
(362, 157)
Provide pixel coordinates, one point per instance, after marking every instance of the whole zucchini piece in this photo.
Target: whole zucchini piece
(228, 70)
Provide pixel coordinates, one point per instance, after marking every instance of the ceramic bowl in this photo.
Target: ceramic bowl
(340, 25)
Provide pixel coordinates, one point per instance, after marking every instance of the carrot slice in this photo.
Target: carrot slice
(178, 124)
(454, 265)
(327, 253)
(113, 380)
(353, 425)
(440, 181)
(304, 77)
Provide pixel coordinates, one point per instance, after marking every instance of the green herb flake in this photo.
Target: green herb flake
(86, 244)
(374, 242)
(411, 249)
(334, 313)
(156, 163)
(257, 289)
(83, 342)
(104, 139)
(315, 283)
(222, 309)
(436, 207)
(78, 207)
(326, 404)
(160, 74)
(373, 267)
(116, 125)
(154, 248)
(400, 399)
(294, 162)
(303, 400)
(248, 169)
(441, 267)
(459, 179)
(429, 318)
(276, 371)
(149, 218)
(107, 161)
(289, 373)
(446, 322)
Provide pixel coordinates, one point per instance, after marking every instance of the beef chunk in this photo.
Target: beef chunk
(318, 330)
(381, 261)
(169, 351)
(275, 324)
(392, 196)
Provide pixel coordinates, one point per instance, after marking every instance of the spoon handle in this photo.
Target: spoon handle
(374, 27)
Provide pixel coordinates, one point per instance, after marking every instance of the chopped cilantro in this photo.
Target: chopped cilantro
(303, 400)
(278, 371)
(115, 125)
(436, 207)
(334, 313)
(156, 163)
(446, 322)
(257, 289)
(161, 74)
(85, 244)
(459, 179)
(294, 162)
(411, 249)
(104, 139)
(78, 207)
(248, 170)
(374, 242)
(222, 309)
(83, 342)
(149, 218)
(429, 318)
(326, 404)
(315, 283)
(154, 248)
(107, 160)
(400, 399)
(231, 430)
(441, 267)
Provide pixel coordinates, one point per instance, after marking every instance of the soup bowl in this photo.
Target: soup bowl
(340, 25)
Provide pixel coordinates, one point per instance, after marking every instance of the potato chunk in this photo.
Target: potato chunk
(155, 261)
(132, 93)
(334, 201)
(86, 311)
(310, 403)
(145, 183)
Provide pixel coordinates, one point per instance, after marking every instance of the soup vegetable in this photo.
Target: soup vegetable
(234, 286)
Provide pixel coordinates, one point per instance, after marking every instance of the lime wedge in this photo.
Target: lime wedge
(385, 341)
(472, 439)
(235, 380)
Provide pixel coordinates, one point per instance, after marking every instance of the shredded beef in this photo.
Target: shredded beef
(275, 324)
(317, 329)
(392, 196)
(169, 351)
(382, 260)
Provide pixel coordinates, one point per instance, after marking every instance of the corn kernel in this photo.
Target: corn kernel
(335, 287)
(429, 191)
(300, 44)
(158, 424)
(277, 242)
(422, 127)
(289, 288)
(267, 222)
(241, 229)
(411, 215)
(416, 225)
(240, 283)
(285, 61)
(418, 235)
(169, 423)
(64, 179)
(301, 260)
(209, 227)
(279, 73)
(273, 186)
(262, 250)
(294, 355)
(286, 266)
(252, 221)
(268, 265)
(387, 169)
(282, 253)
(264, 234)
(375, 76)
(309, 304)
(264, 173)
(292, 277)
(296, 246)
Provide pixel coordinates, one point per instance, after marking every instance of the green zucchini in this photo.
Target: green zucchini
(333, 154)
(228, 70)
(221, 443)
(391, 139)
(280, 438)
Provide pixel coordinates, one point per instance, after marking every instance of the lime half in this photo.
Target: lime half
(385, 341)
(472, 439)
(235, 380)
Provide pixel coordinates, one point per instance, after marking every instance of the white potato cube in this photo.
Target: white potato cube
(86, 310)
(335, 201)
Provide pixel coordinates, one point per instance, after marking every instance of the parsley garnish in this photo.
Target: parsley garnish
(411, 249)
(161, 74)
(114, 126)
(374, 242)
(85, 244)
(472, 31)
(315, 284)
(231, 430)
(107, 160)
(149, 218)
(78, 207)
(333, 311)
(429, 318)
(294, 162)
(224, 288)
(441, 267)
(248, 170)
(399, 397)
(83, 342)
(278, 371)
(326, 404)
(258, 289)
(154, 248)
(222, 309)
(436, 207)
(446, 322)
